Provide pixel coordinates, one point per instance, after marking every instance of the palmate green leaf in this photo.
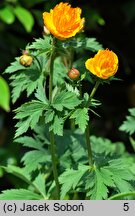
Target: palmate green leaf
(40, 94)
(28, 115)
(19, 85)
(30, 142)
(57, 126)
(23, 173)
(81, 118)
(55, 91)
(22, 126)
(78, 151)
(49, 115)
(30, 108)
(63, 142)
(71, 148)
(74, 149)
(121, 174)
(107, 177)
(98, 189)
(18, 172)
(19, 194)
(24, 78)
(65, 159)
(4, 94)
(80, 65)
(70, 88)
(27, 84)
(33, 159)
(65, 99)
(93, 45)
(15, 66)
(129, 124)
(74, 42)
(123, 185)
(102, 145)
(42, 132)
(41, 44)
(121, 168)
(39, 182)
(28, 79)
(70, 179)
(85, 43)
(115, 174)
(132, 111)
(25, 17)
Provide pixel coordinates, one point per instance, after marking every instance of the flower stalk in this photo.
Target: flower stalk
(38, 63)
(93, 93)
(87, 131)
(52, 139)
(87, 137)
(51, 76)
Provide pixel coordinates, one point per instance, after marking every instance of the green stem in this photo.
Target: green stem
(87, 137)
(80, 89)
(87, 131)
(93, 93)
(121, 195)
(52, 140)
(38, 62)
(72, 125)
(55, 173)
(71, 57)
(51, 77)
(72, 121)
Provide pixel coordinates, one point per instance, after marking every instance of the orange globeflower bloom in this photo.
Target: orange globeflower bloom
(104, 64)
(63, 21)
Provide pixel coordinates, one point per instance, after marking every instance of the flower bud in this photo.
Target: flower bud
(46, 30)
(73, 74)
(25, 52)
(26, 60)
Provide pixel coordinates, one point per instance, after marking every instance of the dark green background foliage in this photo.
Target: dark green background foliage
(113, 24)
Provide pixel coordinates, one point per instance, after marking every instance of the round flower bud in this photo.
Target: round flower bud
(104, 64)
(26, 60)
(73, 74)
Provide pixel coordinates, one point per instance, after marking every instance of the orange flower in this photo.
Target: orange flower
(63, 21)
(104, 64)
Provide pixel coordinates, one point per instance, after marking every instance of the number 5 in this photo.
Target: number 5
(126, 207)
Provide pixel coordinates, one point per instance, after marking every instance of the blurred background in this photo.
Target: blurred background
(112, 23)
